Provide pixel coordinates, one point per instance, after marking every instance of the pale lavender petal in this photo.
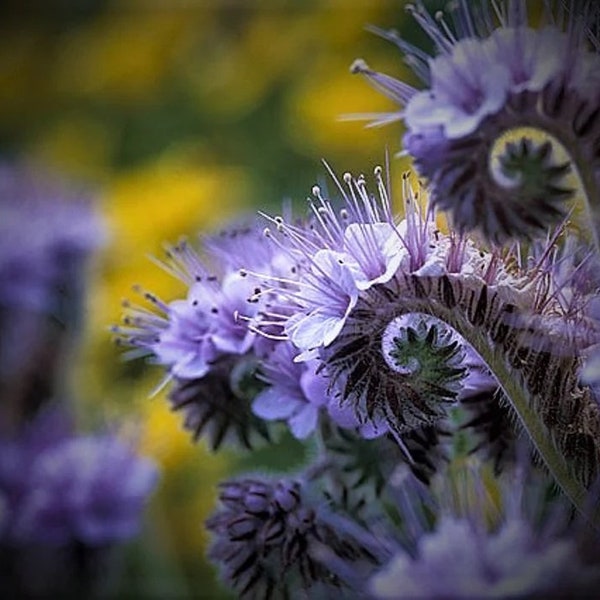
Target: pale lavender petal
(304, 422)
(274, 403)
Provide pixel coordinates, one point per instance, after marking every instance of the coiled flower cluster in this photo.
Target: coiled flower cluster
(420, 362)
(501, 103)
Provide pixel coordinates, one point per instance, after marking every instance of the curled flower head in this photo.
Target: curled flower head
(375, 348)
(449, 322)
(493, 76)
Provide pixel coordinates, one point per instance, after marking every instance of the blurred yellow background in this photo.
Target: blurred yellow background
(179, 116)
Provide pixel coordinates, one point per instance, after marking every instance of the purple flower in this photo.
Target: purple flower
(329, 296)
(464, 90)
(46, 232)
(185, 344)
(268, 537)
(228, 334)
(459, 561)
(90, 489)
(294, 391)
(492, 74)
(373, 253)
(298, 392)
(188, 334)
(493, 538)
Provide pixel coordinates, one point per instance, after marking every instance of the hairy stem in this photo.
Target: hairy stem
(541, 385)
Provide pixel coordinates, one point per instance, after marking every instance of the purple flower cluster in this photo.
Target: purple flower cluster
(448, 385)
(358, 321)
(205, 347)
(61, 231)
(492, 73)
(61, 488)
(479, 547)
(66, 499)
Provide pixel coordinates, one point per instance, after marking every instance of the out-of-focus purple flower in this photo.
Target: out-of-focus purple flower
(500, 539)
(91, 489)
(46, 231)
(60, 488)
(19, 451)
(492, 73)
(459, 561)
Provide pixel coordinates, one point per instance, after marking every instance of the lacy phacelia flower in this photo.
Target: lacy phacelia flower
(207, 348)
(268, 535)
(397, 350)
(194, 331)
(491, 75)
(414, 247)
